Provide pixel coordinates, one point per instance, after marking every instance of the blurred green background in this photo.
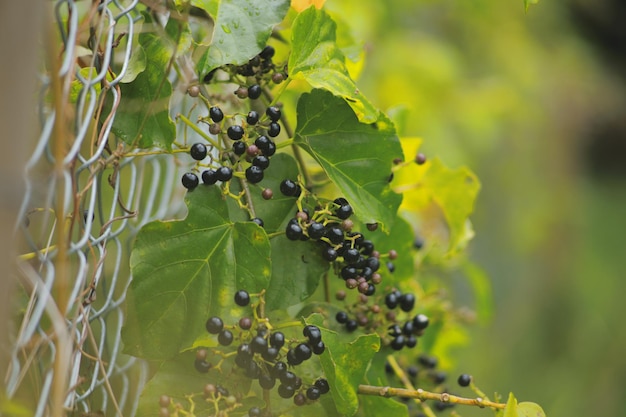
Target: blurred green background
(534, 103)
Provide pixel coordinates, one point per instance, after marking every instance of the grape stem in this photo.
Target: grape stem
(423, 395)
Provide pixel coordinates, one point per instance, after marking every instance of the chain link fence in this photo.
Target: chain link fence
(83, 205)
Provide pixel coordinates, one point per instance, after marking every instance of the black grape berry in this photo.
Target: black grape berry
(224, 173)
(273, 130)
(464, 380)
(258, 221)
(214, 325)
(202, 366)
(225, 338)
(216, 114)
(303, 352)
(407, 302)
(254, 91)
(252, 118)
(270, 150)
(341, 317)
(242, 298)
(261, 161)
(198, 151)
(316, 230)
(277, 340)
(190, 180)
(398, 342)
(322, 385)
(288, 188)
(258, 344)
(262, 142)
(335, 234)
(273, 113)
(318, 348)
(420, 322)
(239, 148)
(351, 255)
(313, 333)
(313, 393)
(288, 378)
(286, 391)
(254, 174)
(235, 132)
(343, 212)
(329, 254)
(351, 325)
(391, 300)
(267, 52)
(294, 231)
(266, 382)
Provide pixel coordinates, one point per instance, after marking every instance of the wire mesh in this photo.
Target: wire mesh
(83, 205)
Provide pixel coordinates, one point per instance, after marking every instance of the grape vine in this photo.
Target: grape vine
(295, 284)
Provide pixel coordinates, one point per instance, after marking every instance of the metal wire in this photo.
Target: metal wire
(96, 202)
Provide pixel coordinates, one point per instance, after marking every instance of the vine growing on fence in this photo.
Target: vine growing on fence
(299, 282)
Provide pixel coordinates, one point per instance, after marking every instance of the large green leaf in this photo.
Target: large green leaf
(345, 364)
(242, 28)
(142, 116)
(316, 58)
(296, 266)
(185, 271)
(357, 157)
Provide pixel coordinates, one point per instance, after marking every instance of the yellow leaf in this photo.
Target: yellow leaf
(300, 5)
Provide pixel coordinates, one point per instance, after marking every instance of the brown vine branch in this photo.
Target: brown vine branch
(423, 395)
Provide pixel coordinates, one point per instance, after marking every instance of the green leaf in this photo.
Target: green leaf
(528, 409)
(316, 58)
(527, 3)
(438, 195)
(511, 407)
(355, 156)
(185, 271)
(242, 28)
(136, 64)
(297, 268)
(76, 87)
(142, 116)
(279, 208)
(294, 276)
(345, 364)
(454, 191)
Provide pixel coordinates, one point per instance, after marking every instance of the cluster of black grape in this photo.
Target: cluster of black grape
(267, 356)
(252, 138)
(257, 151)
(355, 258)
(399, 333)
(261, 67)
